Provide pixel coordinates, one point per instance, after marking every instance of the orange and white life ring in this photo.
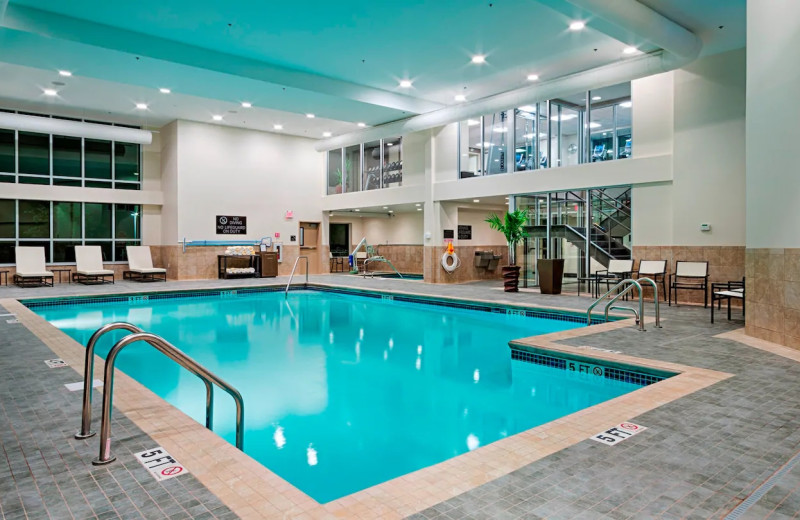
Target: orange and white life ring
(450, 262)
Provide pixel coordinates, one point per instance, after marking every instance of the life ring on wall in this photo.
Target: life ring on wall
(450, 267)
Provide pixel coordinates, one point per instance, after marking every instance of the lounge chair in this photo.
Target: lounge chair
(89, 269)
(691, 276)
(656, 270)
(140, 266)
(31, 271)
(727, 291)
(617, 271)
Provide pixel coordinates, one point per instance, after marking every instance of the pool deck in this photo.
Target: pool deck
(715, 433)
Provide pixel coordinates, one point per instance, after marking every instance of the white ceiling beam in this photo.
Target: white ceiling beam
(51, 25)
(3, 7)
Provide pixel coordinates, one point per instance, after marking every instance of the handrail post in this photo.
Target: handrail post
(291, 276)
(655, 296)
(88, 375)
(182, 359)
(633, 283)
(597, 301)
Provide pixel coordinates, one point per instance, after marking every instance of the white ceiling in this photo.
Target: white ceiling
(340, 61)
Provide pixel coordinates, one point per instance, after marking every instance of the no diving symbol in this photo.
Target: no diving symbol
(629, 426)
(171, 471)
(598, 371)
(223, 220)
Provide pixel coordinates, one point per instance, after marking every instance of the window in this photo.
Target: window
(335, 171)
(126, 162)
(98, 220)
(495, 151)
(66, 157)
(34, 219)
(34, 154)
(393, 161)
(352, 167)
(372, 166)
(527, 155)
(7, 153)
(470, 146)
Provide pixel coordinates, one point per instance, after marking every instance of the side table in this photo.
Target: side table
(59, 271)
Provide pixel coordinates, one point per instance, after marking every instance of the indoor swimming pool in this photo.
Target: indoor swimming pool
(343, 391)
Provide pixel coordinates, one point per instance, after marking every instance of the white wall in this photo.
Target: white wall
(402, 229)
(482, 234)
(230, 171)
(652, 115)
(773, 111)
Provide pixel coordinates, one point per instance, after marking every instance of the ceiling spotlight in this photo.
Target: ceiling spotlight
(405, 83)
(479, 59)
(626, 104)
(533, 77)
(460, 97)
(419, 209)
(310, 116)
(216, 117)
(277, 127)
(65, 73)
(577, 26)
(141, 106)
(418, 205)
(356, 209)
(246, 104)
(596, 98)
(472, 122)
(476, 200)
(630, 50)
(164, 90)
(326, 134)
(386, 207)
(361, 125)
(391, 211)
(50, 92)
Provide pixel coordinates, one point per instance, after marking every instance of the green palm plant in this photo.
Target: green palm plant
(513, 227)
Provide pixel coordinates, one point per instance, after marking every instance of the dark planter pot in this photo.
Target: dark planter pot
(511, 278)
(550, 274)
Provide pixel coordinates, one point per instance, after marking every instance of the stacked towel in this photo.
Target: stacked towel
(240, 270)
(240, 250)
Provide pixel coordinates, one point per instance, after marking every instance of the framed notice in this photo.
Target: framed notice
(449, 234)
(231, 225)
(465, 232)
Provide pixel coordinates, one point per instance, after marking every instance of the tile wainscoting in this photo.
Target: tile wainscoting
(773, 295)
(467, 272)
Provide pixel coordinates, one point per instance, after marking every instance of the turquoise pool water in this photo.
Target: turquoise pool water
(343, 392)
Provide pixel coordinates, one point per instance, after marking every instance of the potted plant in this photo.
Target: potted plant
(513, 227)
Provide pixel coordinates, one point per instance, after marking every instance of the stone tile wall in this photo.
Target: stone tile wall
(725, 263)
(467, 272)
(773, 295)
(405, 258)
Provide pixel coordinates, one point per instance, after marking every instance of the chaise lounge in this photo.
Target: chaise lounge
(89, 269)
(31, 270)
(140, 266)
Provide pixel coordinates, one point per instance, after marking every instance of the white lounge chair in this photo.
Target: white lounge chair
(31, 271)
(89, 269)
(656, 270)
(691, 276)
(140, 266)
(617, 271)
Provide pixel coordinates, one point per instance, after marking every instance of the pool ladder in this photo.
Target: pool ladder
(286, 292)
(629, 284)
(169, 350)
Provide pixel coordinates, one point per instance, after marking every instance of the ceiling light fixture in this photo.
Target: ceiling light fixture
(418, 205)
(65, 73)
(479, 59)
(361, 125)
(577, 26)
(310, 116)
(626, 104)
(356, 209)
(460, 98)
(246, 104)
(391, 211)
(141, 106)
(473, 122)
(386, 207)
(533, 77)
(277, 127)
(476, 200)
(326, 134)
(419, 209)
(630, 50)
(50, 92)
(216, 117)
(596, 98)
(528, 108)
(164, 90)
(405, 83)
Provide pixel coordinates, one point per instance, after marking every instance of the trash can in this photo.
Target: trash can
(551, 271)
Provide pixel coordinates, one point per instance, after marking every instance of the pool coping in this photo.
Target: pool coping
(252, 491)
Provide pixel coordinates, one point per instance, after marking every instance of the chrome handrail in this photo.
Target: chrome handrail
(597, 301)
(380, 259)
(631, 285)
(286, 292)
(88, 374)
(631, 309)
(182, 359)
(655, 296)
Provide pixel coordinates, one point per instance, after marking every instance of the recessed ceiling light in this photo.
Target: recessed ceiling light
(473, 122)
(630, 50)
(506, 198)
(460, 97)
(246, 104)
(386, 207)
(405, 83)
(65, 73)
(310, 116)
(164, 90)
(577, 26)
(564, 117)
(533, 77)
(476, 200)
(277, 127)
(596, 98)
(356, 209)
(50, 92)
(528, 108)
(216, 117)
(326, 134)
(361, 125)
(594, 125)
(419, 209)
(141, 106)
(391, 211)
(626, 104)
(418, 205)
(478, 59)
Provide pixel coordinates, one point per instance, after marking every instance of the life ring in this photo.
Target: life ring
(450, 267)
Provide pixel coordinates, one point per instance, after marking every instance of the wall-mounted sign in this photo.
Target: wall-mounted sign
(231, 225)
(277, 235)
(289, 214)
(465, 232)
(449, 233)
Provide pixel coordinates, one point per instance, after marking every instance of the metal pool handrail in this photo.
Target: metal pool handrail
(632, 284)
(182, 359)
(627, 281)
(286, 292)
(655, 298)
(88, 374)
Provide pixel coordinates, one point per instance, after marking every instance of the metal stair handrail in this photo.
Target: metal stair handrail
(286, 292)
(182, 359)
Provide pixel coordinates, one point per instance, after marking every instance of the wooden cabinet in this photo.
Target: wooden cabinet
(269, 264)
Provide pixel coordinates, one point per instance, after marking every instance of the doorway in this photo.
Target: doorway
(339, 239)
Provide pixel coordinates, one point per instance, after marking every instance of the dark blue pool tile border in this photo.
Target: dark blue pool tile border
(581, 365)
(134, 298)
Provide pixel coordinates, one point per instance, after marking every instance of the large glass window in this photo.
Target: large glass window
(7, 153)
(602, 134)
(565, 135)
(98, 220)
(98, 159)
(392, 161)
(66, 220)
(8, 218)
(127, 221)
(126, 162)
(372, 166)
(496, 128)
(34, 153)
(34, 219)
(66, 157)
(526, 150)
(335, 174)
(352, 167)
(470, 146)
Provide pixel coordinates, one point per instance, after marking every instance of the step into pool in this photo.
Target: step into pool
(344, 391)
